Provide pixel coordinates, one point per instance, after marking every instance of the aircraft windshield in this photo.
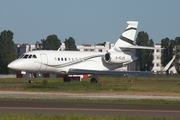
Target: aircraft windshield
(27, 56)
(21, 56)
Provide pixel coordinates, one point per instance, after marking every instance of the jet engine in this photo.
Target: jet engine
(117, 58)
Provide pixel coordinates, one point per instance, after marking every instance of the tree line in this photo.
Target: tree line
(52, 42)
(170, 48)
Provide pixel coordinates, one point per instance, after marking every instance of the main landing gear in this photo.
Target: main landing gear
(94, 79)
(66, 78)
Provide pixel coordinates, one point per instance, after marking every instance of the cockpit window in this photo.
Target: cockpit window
(30, 56)
(26, 56)
(34, 56)
(21, 56)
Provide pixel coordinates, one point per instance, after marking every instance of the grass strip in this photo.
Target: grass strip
(85, 86)
(105, 78)
(10, 116)
(144, 101)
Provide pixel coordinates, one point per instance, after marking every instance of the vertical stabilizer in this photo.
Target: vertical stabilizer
(127, 37)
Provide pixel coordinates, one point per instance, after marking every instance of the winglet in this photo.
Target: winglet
(168, 65)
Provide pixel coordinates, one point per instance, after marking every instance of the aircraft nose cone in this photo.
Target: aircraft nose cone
(11, 65)
(14, 65)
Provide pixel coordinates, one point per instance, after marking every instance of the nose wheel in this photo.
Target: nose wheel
(30, 81)
(31, 75)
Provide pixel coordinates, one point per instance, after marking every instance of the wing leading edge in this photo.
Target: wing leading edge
(84, 71)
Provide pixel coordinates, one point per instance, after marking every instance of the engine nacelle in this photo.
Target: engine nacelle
(117, 58)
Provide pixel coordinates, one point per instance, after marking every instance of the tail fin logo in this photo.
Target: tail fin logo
(127, 37)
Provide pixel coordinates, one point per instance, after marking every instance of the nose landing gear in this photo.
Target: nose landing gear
(31, 75)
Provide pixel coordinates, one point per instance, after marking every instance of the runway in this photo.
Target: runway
(90, 108)
(101, 95)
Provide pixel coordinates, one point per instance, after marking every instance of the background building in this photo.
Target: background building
(157, 61)
(25, 47)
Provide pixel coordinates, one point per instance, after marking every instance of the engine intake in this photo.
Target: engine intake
(117, 58)
(107, 57)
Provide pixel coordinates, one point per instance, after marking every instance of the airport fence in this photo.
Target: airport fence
(8, 76)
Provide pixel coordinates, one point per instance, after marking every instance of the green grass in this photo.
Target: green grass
(86, 86)
(2, 80)
(139, 79)
(110, 84)
(105, 78)
(140, 101)
(73, 117)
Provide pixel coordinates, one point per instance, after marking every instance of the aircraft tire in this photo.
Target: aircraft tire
(30, 81)
(66, 79)
(93, 80)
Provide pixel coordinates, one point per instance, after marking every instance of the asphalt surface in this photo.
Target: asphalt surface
(47, 107)
(89, 108)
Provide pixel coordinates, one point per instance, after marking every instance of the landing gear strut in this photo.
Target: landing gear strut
(66, 78)
(94, 79)
(31, 75)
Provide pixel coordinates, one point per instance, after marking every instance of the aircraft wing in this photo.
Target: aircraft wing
(84, 71)
(140, 47)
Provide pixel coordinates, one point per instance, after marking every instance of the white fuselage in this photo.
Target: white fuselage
(72, 62)
(59, 62)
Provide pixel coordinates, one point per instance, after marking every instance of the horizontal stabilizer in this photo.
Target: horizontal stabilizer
(139, 47)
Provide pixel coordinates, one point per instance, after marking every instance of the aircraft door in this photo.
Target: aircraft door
(44, 61)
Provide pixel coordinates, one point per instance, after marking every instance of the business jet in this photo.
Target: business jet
(78, 62)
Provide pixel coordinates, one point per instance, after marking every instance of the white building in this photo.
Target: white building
(100, 47)
(157, 61)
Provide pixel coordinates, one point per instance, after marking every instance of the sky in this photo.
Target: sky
(88, 21)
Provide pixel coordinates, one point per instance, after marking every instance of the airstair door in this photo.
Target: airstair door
(44, 62)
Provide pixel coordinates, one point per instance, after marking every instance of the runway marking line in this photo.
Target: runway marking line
(120, 110)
